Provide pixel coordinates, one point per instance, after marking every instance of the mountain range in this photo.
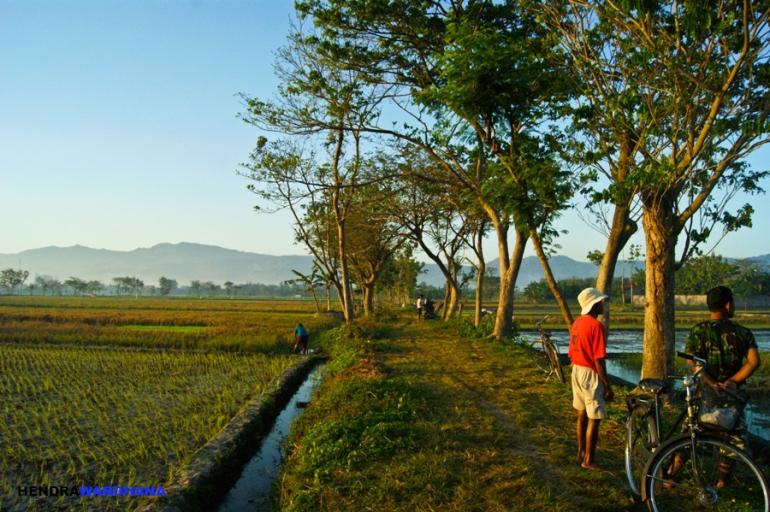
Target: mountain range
(186, 262)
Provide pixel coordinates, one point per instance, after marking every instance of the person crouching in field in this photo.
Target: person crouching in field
(590, 387)
(301, 337)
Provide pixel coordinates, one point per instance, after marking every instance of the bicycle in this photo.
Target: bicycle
(643, 428)
(702, 468)
(546, 357)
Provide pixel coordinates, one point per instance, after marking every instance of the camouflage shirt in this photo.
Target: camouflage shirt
(723, 343)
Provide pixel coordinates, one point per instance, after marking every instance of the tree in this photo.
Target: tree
(321, 99)
(129, 285)
(166, 285)
(11, 279)
(634, 254)
(229, 288)
(698, 275)
(48, 284)
(94, 286)
(399, 277)
(311, 282)
(595, 257)
(375, 237)
(77, 285)
(677, 97)
(195, 288)
(431, 221)
(478, 75)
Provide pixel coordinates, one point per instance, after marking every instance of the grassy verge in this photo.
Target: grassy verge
(425, 420)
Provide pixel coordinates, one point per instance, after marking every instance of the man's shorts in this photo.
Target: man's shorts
(588, 392)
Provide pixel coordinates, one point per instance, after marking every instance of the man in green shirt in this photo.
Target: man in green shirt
(731, 354)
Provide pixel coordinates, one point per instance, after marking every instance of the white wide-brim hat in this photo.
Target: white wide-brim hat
(587, 298)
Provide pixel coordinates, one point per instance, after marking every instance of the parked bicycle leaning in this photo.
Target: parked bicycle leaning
(702, 468)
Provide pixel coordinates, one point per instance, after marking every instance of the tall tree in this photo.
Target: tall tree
(318, 99)
(464, 73)
(688, 84)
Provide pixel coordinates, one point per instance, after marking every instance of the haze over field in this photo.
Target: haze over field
(188, 261)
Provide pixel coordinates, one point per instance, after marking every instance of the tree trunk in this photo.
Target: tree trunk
(315, 299)
(450, 302)
(660, 241)
(347, 302)
(446, 299)
(368, 299)
(509, 272)
(482, 268)
(328, 297)
(621, 230)
(550, 279)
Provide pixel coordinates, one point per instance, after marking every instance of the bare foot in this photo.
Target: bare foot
(592, 466)
(580, 458)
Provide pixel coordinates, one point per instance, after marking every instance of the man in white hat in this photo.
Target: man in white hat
(590, 387)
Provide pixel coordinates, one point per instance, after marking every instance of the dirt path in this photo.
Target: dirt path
(521, 428)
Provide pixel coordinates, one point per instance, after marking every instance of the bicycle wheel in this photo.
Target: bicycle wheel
(540, 357)
(641, 440)
(553, 357)
(712, 475)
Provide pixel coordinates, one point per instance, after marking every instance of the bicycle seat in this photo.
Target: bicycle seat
(656, 386)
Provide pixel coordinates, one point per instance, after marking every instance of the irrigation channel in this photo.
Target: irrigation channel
(630, 342)
(254, 487)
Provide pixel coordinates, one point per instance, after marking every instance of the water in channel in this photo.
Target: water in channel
(253, 490)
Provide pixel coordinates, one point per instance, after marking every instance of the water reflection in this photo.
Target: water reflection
(631, 341)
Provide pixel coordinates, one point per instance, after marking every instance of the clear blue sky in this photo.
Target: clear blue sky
(118, 127)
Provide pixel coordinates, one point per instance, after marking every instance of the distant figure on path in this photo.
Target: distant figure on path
(590, 387)
(420, 306)
(301, 338)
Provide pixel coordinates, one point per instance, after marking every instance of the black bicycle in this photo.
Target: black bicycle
(545, 353)
(643, 428)
(701, 468)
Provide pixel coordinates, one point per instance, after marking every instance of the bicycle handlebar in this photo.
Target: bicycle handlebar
(691, 357)
(702, 362)
(540, 323)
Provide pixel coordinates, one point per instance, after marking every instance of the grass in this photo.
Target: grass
(123, 391)
(86, 416)
(166, 328)
(427, 421)
(424, 419)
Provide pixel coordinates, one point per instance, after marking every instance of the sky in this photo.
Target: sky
(119, 128)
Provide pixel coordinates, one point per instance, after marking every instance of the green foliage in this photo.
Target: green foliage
(466, 329)
(11, 279)
(364, 429)
(595, 257)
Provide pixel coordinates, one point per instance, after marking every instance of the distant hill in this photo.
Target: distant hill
(188, 261)
(763, 261)
(184, 262)
(562, 266)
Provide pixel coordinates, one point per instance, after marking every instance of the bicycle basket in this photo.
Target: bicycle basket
(723, 417)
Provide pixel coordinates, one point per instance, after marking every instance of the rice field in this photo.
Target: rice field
(121, 392)
(231, 325)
